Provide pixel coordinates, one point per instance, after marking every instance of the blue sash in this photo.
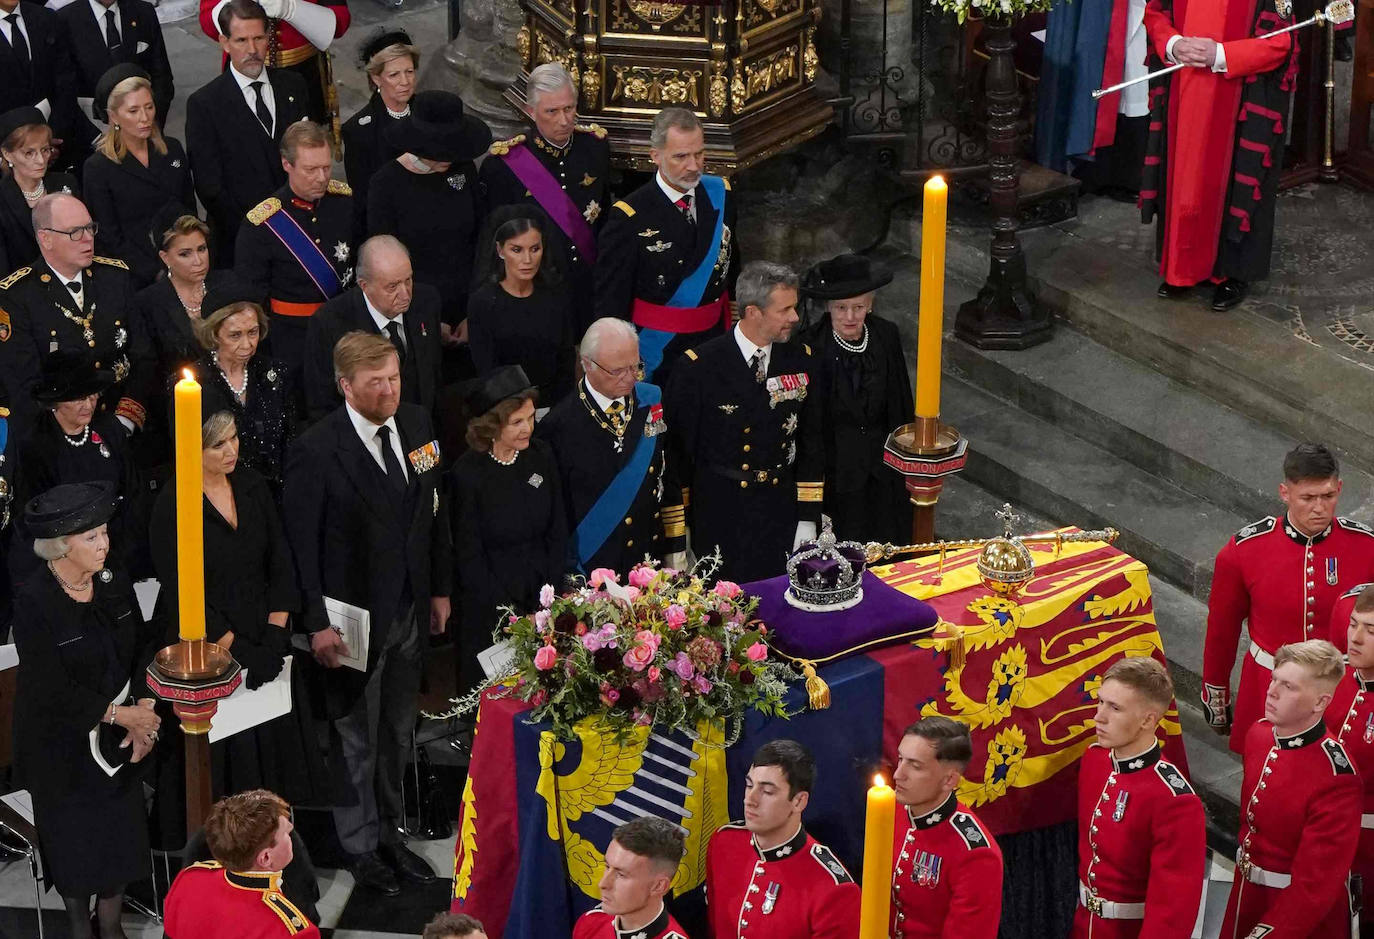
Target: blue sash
(306, 252)
(610, 507)
(652, 342)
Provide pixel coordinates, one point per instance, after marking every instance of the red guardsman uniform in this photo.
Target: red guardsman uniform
(797, 889)
(946, 876)
(208, 902)
(1142, 848)
(1298, 836)
(1350, 719)
(597, 924)
(1284, 584)
(1340, 615)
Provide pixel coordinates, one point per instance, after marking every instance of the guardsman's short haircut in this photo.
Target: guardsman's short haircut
(1310, 461)
(654, 838)
(1149, 679)
(951, 739)
(1321, 659)
(795, 761)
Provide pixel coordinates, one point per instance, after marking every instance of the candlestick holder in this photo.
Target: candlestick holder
(195, 675)
(925, 452)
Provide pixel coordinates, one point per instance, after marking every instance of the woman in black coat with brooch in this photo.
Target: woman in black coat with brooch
(134, 172)
(25, 152)
(82, 718)
(392, 63)
(865, 394)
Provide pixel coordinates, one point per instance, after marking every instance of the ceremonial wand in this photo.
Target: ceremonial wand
(1336, 12)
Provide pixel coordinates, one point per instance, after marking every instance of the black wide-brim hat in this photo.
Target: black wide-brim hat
(15, 118)
(439, 130)
(508, 381)
(842, 277)
(69, 376)
(106, 84)
(70, 508)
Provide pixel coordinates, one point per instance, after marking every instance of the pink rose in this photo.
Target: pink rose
(655, 673)
(638, 658)
(545, 658)
(648, 638)
(631, 594)
(642, 576)
(702, 684)
(541, 619)
(546, 596)
(675, 616)
(539, 698)
(727, 589)
(757, 652)
(603, 575)
(513, 619)
(592, 641)
(682, 666)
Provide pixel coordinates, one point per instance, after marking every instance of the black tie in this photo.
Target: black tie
(394, 474)
(76, 288)
(393, 329)
(18, 42)
(264, 115)
(685, 204)
(756, 363)
(111, 31)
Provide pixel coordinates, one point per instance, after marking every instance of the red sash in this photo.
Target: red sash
(677, 319)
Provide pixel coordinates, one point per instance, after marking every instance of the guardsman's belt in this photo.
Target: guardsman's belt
(1258, 875)
(1262, 659)
(1108, 909)
(757, 477)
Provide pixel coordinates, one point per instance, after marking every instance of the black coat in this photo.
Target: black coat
(18, 245)
(264, 419)
(74, 659)
(347, 312)
(140, 43)
(51, 77)
(169, 326)
(534, 332)
(355, 543)
(365, 152)
(235, 163)
(125, 197)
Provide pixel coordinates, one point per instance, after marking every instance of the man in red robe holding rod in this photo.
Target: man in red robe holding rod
(1215, 149)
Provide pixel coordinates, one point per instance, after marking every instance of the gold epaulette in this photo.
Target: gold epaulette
(690, 353)
(502, 147)
(264, 210)
(14, 278)
(113, 262)
(292, 918)
(338, 187)
(625, 207)
(726, 180)
(4, 412)
(592, 129)
(807, 348)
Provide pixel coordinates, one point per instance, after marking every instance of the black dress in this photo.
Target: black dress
(125, 197)
(265, 420)
(74, 659)
(248, 575)
(534, 332)
(18, 244)
(365, 150)
(169, 325)
(864, 396)
(435, 216)
(509, 534)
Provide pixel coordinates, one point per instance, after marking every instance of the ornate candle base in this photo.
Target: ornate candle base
(194, 675)
(925, 453)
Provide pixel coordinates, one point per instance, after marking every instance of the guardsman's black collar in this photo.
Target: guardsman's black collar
(647, 931)
(785, 850)
(935, 817)
(1362, 683)
(1136, 763)
(1291, 531)
(549, 147)
(253, 880)
(1305, 739)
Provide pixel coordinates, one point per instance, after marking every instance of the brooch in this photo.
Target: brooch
(535, 480)
(272, 375)
(425, 458)
(592, 212)
(176, 164)
(341, 251)
(728, 408)
(457, 180)
(106, 577)
(658, 246)
(365, 120)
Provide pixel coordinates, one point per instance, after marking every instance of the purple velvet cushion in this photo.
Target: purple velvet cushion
(885, 615)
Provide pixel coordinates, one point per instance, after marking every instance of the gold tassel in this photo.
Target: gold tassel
(817, 691)
(951, 641)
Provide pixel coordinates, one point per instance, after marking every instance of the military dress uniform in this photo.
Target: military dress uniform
(582, 169)
(1298, 837)
(1142, 848)
(946, 876)
(1340, 615)
(208, 902)
(747, 452)
(1284, 584)
(262, 261)
(1350, 718)
(598, 924)
(38, 315)
(797, 889)
(592, 448)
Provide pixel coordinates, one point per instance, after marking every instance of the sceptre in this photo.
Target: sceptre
(1336, 13)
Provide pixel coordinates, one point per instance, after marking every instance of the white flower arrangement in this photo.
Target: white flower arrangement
(992, 9)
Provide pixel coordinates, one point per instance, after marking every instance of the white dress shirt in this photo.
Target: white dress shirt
(399, 319)
(367, 433)
(251, 97)
(747, 348)
(675, 194)
(78, 297)
(99, 9)
(603, 402)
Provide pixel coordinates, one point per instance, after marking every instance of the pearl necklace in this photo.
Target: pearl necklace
(513, 457)
(243, 386)
(859, 346)
(193, 311)
(36, 194)
(398, 114)
(85, 435)
(74, 588)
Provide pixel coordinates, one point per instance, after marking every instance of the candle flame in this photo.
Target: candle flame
(186, 374)
(936, 182)
(878, 780)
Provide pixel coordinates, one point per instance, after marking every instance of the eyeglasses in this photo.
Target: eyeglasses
(34, 154)
(637, 370)
(75, 233)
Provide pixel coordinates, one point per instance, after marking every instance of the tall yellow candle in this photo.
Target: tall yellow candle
(929, 334)
(190, 511)
(876, 901)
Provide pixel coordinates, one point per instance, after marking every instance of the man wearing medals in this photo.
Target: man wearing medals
(641, 862)
(946, 867)
(562, 166)
(666, 259)
(72, 300)
(766, 877)
(1301, 801)
(1350, 718)
(623, 500)
(745, 443)
(1281, 576)
(1142, 835)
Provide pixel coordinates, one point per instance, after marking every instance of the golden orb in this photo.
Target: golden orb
(1005, 566)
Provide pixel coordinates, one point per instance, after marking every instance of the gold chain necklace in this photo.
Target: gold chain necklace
(73, 588)
(616, 427)
(87, 332)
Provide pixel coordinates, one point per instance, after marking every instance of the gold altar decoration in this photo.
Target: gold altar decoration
(746, 67)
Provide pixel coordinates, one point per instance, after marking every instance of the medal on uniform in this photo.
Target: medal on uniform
(770, 898)
(1120, 811)
(1331, 571)
(1369, 729)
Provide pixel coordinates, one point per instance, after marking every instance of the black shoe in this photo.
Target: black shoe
(1342, 50)
(372, 872)
(1228, 294)
(1172, 291)
(408, 865)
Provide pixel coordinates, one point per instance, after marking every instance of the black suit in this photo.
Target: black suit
(50, 76)
(358, 540)
(125, 197)
(236, 165)
(140, 43)
(347, 312)
(18, 244)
